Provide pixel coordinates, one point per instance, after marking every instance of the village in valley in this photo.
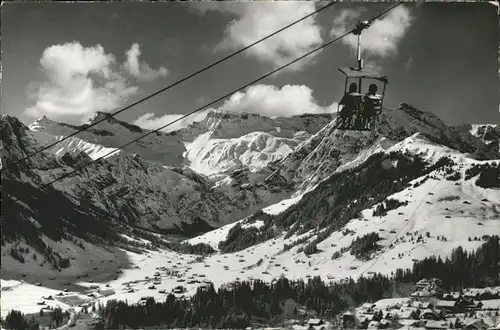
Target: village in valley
(428, 307)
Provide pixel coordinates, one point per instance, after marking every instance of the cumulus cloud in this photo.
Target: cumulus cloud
(271, 101)
(254, 21)
(79, 81)
(267, 100)
(383, 36)
(141, 70)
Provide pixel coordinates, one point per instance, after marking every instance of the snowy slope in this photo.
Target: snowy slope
(73, 145)
(162, 148)
(255, 150)
(225, 141)
(456, 210)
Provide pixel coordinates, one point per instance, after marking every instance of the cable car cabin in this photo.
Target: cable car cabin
(360, 110)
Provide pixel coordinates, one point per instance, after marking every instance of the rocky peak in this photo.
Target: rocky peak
(41, 123)
(100, 115)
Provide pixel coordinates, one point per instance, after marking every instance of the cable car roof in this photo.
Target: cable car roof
(363, 73)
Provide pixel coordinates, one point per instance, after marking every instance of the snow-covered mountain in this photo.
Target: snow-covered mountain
(224, 124)
(226, 141)
(221, 142)
(161, 148)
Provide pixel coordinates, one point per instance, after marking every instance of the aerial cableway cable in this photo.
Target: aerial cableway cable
(215, 101)
(112, 114)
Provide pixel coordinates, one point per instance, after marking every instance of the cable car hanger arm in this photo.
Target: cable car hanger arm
(362, 25)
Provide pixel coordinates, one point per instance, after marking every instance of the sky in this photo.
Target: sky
(68, 60)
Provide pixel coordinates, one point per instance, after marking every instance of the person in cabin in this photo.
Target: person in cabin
(371, 105)
(350, 102)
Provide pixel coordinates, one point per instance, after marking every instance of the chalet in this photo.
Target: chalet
(421, 305)
(472, 295)
(437, 325)
(447, 305)
(106, 292)
(315, 322)
(368, 307)
(429, 314)
(451, 296)
(426, 305)
(476, 324)
(476, 305)
(417, 324)
(415, 304)
(426, 287)
(384, 324)
(179, 289)
(388, 315)
(466, 303)
(408, 314)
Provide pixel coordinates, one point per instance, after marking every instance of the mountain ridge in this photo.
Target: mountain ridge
(163, 148)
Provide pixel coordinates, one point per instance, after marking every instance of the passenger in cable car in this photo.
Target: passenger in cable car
(350, 102)
(371, 105)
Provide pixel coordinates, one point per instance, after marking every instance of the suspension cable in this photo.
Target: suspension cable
(112, 114)
(215, 101)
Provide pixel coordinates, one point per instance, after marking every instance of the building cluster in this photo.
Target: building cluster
(430, 307)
